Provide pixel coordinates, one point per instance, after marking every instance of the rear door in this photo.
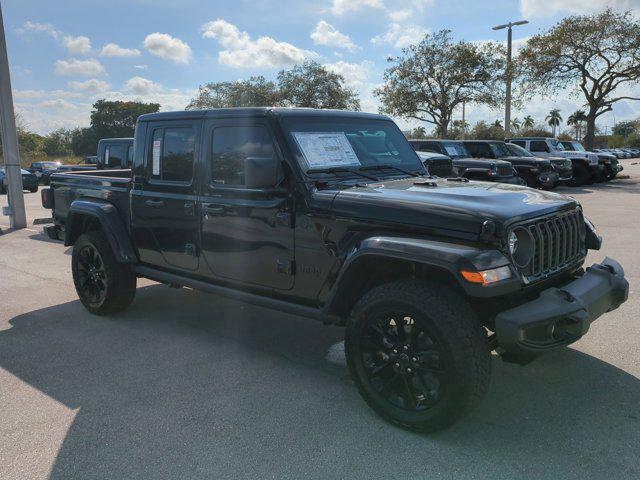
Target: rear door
(247, 233)
(163, 200)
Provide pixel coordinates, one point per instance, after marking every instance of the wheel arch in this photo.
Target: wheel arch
(85, 215)
(384, 259)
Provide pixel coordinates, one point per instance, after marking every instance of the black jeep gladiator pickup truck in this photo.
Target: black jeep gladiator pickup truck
(331, 215)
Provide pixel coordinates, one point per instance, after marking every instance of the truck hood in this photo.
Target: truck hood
(471, 162)
(528, 161)
(444, 204)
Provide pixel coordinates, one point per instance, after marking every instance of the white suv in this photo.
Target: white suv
(586, 165)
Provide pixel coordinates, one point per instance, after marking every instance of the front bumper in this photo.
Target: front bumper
(564, 174)
(597, 170)
(562, 315)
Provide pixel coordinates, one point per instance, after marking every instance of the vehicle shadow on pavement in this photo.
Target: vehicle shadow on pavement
(189, 385)
(620, 185)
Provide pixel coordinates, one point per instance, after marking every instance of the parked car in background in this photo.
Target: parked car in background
(42, 170)
(29, 180)
(586, 166)
(536, 172)
(483, 169)
(600, 174)
(115, 153)
(437, 164)
(634, 152)
(562, 165)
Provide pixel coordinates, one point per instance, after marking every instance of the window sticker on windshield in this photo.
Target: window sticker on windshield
(326, 149)
(156, 157)
(451, 150)
(106, 156)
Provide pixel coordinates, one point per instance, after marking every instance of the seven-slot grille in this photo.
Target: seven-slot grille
(559, 242)
(505, 170)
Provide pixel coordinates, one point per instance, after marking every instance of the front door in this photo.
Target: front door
(247, 233)
(163, 201)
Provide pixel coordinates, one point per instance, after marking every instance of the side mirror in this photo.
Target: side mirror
(261, 172)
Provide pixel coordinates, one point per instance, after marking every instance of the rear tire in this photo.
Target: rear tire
(581, 175)
(33, 190)
(104, 285)
(427, 374)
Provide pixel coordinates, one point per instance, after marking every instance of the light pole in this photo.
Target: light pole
(507, 103)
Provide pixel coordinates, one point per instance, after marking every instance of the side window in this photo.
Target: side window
(114, 154)
(520, 143)
(539, 146)
(171, 154)
(130, 156)
(231, 146)
(430, 147)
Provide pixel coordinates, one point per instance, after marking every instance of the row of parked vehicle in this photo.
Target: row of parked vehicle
(537, 162)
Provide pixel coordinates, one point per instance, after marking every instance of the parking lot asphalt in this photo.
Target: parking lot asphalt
(186, 384)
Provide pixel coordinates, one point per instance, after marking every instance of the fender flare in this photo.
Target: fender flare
(449, 257)
(112, 226)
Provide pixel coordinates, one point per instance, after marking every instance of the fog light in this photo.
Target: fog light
(486, 277)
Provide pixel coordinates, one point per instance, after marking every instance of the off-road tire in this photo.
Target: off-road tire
(119, 280)
(448, 316)
(581, 176)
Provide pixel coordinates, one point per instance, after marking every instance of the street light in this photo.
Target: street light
(507, 106)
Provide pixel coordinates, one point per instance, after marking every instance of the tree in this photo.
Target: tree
(485, 131)
(312, 85)
(84, 141)
(528, 122)
(430, 79)
(626, 128)
(595, 54)
(418, 133)
(515, 124)
(58, 142)
(576, 120)
(497, 123)
(255, 92)
(553, 119)
(117, 118)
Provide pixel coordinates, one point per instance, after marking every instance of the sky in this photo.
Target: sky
(64, 55)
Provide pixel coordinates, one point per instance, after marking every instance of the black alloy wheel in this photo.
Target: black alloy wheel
(92, 276)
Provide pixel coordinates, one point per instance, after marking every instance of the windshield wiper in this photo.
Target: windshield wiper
(342, 169)
(382, 167)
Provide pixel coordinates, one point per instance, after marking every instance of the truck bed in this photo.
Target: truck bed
(110, 185)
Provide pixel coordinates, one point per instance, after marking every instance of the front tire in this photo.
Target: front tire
(581, 175)
(104, 286)
(417, 354)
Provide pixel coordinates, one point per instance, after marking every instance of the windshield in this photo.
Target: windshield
(556, 144)
(456, 150)
(323, 144)
(577, 146)
(518, 150)
(500, 150)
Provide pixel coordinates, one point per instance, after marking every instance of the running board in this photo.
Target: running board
(172, 279)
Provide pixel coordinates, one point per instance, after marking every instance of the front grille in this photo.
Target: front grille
(505, 170)
(443, 168)
(559, 243)
(545, 167)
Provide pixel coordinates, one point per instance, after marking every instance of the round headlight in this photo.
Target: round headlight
(521, 246)
(513, 243)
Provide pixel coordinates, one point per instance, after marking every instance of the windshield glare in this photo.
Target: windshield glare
(500, 150)
(455, 150)
(578, 146)
(518, 150)
(337, 143)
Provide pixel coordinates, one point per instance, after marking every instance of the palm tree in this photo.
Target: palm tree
(497, 124)
(515, 124)
(577, 119)
(528, 122)
(553, 119)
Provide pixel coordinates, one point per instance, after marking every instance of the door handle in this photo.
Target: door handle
(213, 211)
(154, 203)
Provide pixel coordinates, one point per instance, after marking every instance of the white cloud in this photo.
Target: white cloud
(115, 50)
(57, 104)
(91, 86)
(84, 68)
(168, 47)
(400, 15)
(242, 52)
(327, 34)
(401, 36)
(141, 67)
(36, 27)
(343, 7)
(142, 86)
(355, 74)
(35, 94)
(547, 8)
(80, 44)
